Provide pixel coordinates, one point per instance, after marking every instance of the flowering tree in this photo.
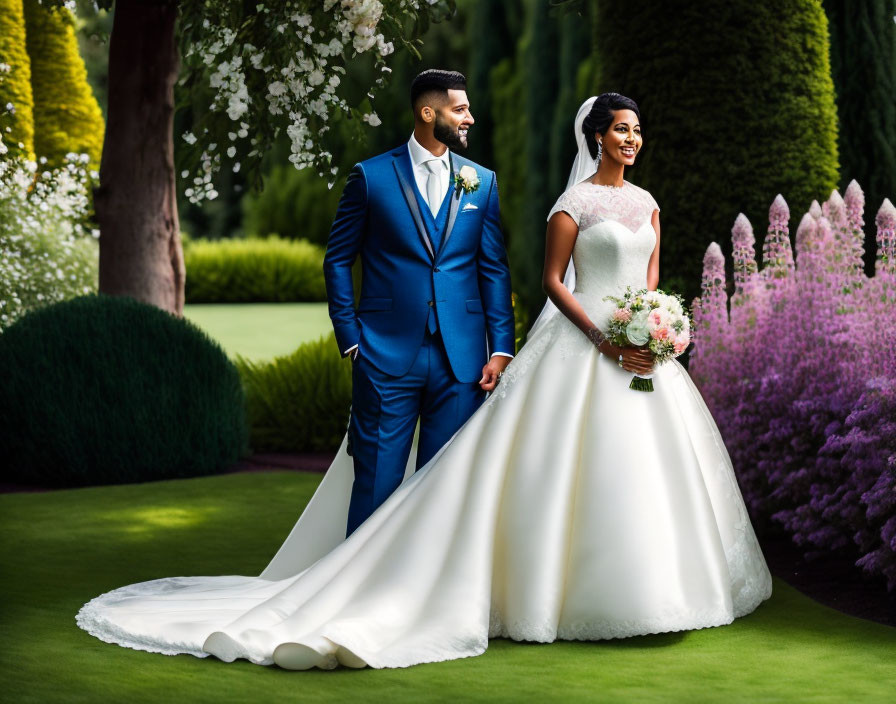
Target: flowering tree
(272, 67)
(801, 377)
(46, 252)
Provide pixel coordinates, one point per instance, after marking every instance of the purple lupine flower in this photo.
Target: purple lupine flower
(777, 255)
(815, 210)
(710, 310)
(743, 252)
(886, 240)
(806, 239)
(854, 207)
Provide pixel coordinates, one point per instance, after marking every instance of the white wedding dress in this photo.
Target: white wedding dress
(568, 507)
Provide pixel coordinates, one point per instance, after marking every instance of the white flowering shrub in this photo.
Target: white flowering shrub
(47, 254)
(280, 67)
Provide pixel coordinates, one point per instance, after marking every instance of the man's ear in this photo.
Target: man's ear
(427, 113)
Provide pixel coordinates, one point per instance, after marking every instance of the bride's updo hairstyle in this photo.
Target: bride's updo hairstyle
(601, 117)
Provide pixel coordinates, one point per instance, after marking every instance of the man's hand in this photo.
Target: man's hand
(490, 371)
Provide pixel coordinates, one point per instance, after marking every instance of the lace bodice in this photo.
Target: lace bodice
(588, 203)
(616, 239)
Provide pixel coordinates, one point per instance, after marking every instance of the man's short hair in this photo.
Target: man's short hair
(436, 81)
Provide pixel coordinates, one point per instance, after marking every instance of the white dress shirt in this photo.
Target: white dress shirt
(419, 156)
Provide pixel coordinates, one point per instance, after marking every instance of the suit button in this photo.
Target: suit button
(429, 303)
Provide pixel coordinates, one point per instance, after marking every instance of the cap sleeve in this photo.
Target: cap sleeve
(571, 203)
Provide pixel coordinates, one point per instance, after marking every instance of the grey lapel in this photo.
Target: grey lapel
(413, 207)
(453, 207)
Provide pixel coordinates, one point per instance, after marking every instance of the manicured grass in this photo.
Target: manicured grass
(260, 331)
(62, 548)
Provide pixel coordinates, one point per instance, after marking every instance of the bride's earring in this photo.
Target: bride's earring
(600, 151)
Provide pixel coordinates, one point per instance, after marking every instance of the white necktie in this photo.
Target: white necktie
(434, 184)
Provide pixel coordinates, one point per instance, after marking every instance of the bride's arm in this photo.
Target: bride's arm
(561, 238)
(653, 266)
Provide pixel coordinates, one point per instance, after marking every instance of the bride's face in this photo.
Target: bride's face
(622, 141)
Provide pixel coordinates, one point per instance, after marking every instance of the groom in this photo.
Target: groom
(433, 329)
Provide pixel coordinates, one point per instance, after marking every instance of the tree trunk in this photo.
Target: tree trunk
(140, 248)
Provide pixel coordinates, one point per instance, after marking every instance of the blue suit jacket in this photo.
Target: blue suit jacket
(467, 280)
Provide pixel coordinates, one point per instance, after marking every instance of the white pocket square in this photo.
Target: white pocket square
(470, 206)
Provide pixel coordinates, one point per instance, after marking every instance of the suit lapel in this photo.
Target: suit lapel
(402, 166)
(456, 194)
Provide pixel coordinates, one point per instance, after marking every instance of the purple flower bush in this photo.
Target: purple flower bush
(800, 375)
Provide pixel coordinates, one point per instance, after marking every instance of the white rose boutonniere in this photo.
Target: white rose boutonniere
(467, 179)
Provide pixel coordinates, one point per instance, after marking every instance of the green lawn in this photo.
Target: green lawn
(60, 549)
(260, 331)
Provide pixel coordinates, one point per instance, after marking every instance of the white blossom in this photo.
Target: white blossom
(306, 64)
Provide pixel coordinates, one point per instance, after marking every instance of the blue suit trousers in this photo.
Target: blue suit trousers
(385, 410)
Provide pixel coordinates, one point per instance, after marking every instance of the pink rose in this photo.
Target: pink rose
(622, 315)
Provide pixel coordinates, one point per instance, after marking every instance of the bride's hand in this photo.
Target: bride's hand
(638, 360)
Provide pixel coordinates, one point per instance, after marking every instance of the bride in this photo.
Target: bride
(567, 507)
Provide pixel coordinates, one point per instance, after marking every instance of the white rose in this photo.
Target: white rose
(469, 177)
(637, 331)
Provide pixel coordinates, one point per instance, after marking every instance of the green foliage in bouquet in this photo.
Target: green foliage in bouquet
(737, 103)
(294, 204)
(254, 270)
(300, 402)
(67, 117)
(106, 390)
(15, 81)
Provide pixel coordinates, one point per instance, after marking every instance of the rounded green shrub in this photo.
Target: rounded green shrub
(107, 390)
(271, 270)
(300, 402)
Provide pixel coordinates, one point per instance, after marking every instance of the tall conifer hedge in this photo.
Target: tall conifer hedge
(15, 85)
(737, 106)
(67, 117)
(863, 64)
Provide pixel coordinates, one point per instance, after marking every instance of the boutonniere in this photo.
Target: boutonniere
(466, 179)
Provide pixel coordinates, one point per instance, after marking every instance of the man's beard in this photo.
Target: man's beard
(447, 135)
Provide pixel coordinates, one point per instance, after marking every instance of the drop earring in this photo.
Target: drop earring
(600, 151)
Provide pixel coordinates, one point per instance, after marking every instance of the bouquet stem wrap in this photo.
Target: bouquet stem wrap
(641, 383)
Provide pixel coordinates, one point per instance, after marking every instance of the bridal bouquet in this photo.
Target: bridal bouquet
(652, 318)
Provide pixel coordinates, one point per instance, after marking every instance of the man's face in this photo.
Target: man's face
(453, 119)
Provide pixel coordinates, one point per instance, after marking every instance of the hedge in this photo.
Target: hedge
(254, 270)
(300, 402)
